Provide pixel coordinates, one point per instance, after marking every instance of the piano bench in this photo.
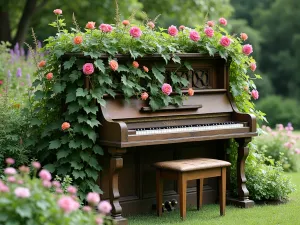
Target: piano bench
(190, 169)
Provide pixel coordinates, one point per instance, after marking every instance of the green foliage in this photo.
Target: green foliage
(75, 151)
(264, 182)
(280, 110)
(280, 146)
(37, 204)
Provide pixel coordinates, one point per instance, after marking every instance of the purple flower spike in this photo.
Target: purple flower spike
(19, 72)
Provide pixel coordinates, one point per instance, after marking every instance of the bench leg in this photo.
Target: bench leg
(159, 193)
(222, 191)
(182, 195)
(199, 193)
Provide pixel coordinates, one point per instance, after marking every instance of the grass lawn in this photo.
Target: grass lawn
(287, 214)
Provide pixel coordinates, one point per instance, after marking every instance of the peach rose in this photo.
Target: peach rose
(78, 40)
(225, 41)
(244, 36)
(57, 11)
(113, 65)
(42, 63)
(253, 66)
(247, 49)
(65, 126)
(172, 30)
(90, 25)
(151, 24)
(88, 68)
(49, 76)
(135, 64)
(181, 27)
(166, 89)
(144, 96)
(191, 92)
(125, 22)
(223, 21)
(254, 94)
(210, 23)
(146, 69)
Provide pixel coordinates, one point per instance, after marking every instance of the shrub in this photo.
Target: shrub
(26, 200)
(279, 145)
(264, 182)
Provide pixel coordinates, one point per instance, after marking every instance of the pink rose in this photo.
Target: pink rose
(194, 35)
(297, 151)
(254, 94)
(57, 11)
(209, 31)
(210, 23)
(253, 66)
(45, 175)
(225, 41)
(11, 179)
(68, 204)
(56, 184)
(105, 28)
(135, 32)
(10, 171)
(244, 36)
(172, 30)
(72, 190)
(36, 165)
(151, 25)
(47, 184)
(144, 96)
(99, 220)
(9, 161)
(88, 68)
(22, 192)
(223, 21)
(181, 27)
(247, 49)
(93, 198)
(24, 169)
(166, 89)
(104, 207)
(59, 190)
(3, 187)
(86, 208)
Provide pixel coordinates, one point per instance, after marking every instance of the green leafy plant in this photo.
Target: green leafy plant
(75, 58)
(28, 200)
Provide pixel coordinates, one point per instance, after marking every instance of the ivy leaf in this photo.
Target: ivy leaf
(223, 54)
(134, 54)
(49, 167)
(68, 64)
(86, 143)
(75, 75)
(100, 65)
(85, 156)
(98, 150)
(59, 87)
(81, 93)
(24, 211)
(158, 75)
(92, 54)
(94, 163)
(153, 104)
(71, 96)
(62, 153)
(175, 79)
(184, 82)
(91, 109)
(93, 123)
(166, 57)
(104, 79)
(73, 107)
(177, 100)
(188, 65)
(92, 135)
(92, 173)
(211, 50)
(82, 118)
(74, 144)
(123, 68)
(58, 53)
(55, 144)
(76, 165)
(38, 95)
(78, 174)
(35, 121)
(176, 59)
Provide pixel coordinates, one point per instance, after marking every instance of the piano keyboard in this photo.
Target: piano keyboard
(188, 128)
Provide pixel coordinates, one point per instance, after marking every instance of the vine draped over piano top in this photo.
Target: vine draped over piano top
(60, 95)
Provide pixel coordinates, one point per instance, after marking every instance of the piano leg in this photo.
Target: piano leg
(116, 164)
(243, 193)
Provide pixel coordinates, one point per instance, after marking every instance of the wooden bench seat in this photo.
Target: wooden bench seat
(190, 169)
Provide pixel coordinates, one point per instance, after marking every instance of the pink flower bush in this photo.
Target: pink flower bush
(47, 184)
(57, 11)
(68, 204)
(3, 187)
(22, 192)
(72, 190)
(56, 184)
(225, 41)
(10, 171)
(135, 32)
(86, 208)
(36, 165)
(144, 96)
(247, 49)
(10, 161)
(106, 28)
(24, 169)
(88, 68)
(255, 94)
(194, 35)
(11, 179)
(253, 66)
(93, 198)
(99, 220)
(209, 31)
(223, 21)
(45, 175)
(104, 207)
(172, 30)
(166, 89)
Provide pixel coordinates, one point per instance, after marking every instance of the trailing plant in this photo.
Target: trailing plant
(65, 108)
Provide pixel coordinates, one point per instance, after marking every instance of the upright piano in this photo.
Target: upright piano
(135, 137)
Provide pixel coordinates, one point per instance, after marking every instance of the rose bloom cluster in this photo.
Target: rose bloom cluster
(18, 184)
